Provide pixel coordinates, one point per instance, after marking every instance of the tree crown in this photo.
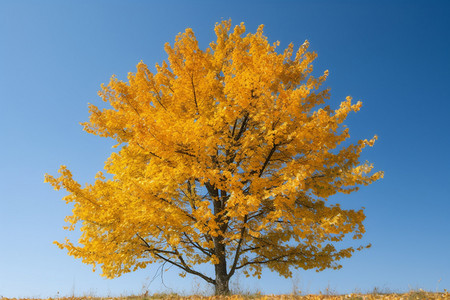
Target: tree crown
(227, 156)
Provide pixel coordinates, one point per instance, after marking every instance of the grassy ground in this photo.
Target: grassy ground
(413, 295)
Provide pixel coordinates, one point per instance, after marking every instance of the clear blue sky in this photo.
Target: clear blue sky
(392, 55)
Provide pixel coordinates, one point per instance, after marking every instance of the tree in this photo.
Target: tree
(226, 157)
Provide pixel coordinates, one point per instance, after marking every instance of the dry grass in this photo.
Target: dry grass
(412, 295)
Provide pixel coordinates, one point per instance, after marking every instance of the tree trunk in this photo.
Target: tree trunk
(221, 286)
(222, 279)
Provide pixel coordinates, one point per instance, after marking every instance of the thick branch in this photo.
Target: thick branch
(243, 127)
(212, 191)
(261, 213)
(185, 153)
(251, 249)
(234, 127)
(266, 162)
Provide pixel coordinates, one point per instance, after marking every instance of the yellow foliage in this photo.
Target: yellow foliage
(227, 156)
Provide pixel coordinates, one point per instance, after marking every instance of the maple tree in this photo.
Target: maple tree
(226, 156)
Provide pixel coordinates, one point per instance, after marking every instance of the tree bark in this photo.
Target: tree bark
(222, 279)
(221, 286)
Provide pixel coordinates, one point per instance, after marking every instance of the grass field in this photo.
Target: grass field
(412, 295)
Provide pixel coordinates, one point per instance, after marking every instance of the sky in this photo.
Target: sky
(394, 56)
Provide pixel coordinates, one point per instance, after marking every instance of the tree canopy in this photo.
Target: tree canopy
(225, 156)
